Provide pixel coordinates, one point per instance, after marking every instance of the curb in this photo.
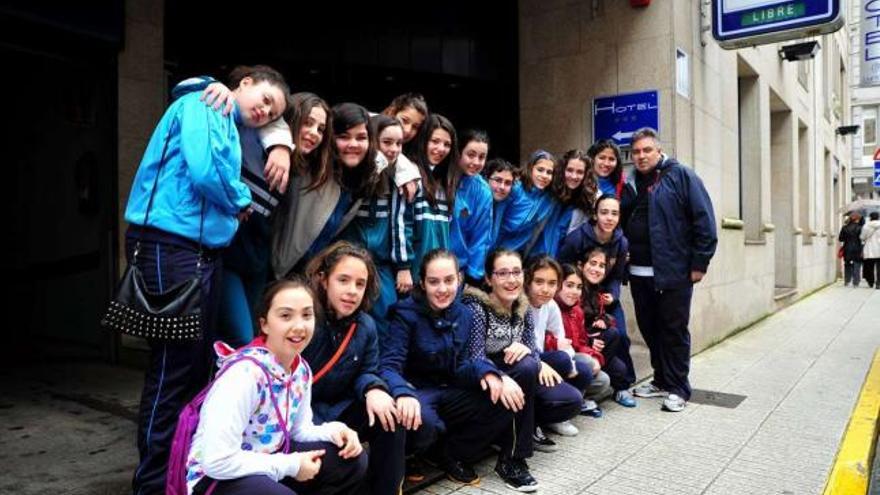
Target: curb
(851, 470)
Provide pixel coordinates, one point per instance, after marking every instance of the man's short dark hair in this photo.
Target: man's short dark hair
(645, 132)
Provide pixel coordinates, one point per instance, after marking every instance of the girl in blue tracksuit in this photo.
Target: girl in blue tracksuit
(607, 167)
(350, 389)
(604, 231)
(318, 211)
(189, 180)
(436, 383)
(470, 233)
(383, 224)
(501, 176)
(531, 206)
(436, 157)
(574, 189)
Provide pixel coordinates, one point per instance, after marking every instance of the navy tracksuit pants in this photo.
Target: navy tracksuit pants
(176, 371)
(467, 420)
(387, 450)
(663, 317)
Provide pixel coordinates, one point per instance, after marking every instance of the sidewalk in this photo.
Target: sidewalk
(800, 372)
(69, 428)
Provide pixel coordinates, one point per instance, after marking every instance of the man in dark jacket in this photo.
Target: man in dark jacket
(669, 222)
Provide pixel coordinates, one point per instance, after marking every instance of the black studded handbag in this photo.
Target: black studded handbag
(171, 315)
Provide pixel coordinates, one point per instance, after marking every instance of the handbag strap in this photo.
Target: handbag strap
(324, 369)
(137, 246)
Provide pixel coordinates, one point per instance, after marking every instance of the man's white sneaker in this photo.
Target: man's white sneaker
(674, 403)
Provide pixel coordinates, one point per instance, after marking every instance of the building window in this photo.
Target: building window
(803, 73)
(869, 130)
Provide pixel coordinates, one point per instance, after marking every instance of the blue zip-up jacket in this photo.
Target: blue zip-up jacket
(425, 349)
(430, 227)
(525, 213)
(356, 372)
(470, 234)
(499, 210)
(681, 223)
(383, 225)
(554, 232)
(203, 162)
(583, 239)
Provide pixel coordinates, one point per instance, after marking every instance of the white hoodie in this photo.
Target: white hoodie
(239, 433)
(871, 237)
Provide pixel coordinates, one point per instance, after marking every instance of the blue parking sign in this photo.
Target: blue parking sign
(618, 116)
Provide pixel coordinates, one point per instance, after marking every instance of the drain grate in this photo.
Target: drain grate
(719, 399)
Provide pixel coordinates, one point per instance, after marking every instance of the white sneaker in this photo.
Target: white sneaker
(673, 403)
(564, 428)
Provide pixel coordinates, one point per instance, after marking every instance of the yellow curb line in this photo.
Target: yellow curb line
(852, 467)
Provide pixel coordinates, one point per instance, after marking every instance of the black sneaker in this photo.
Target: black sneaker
(516, 475)
(461, 473)
(542, 443)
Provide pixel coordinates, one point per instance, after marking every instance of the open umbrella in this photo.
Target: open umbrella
(861, 205)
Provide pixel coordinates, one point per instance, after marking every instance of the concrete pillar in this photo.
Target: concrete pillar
(750, 137)
(783, 134)
(806, 203)
(141, 92)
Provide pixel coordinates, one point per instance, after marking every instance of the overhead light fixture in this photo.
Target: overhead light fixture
(847, 129)
(799, 52)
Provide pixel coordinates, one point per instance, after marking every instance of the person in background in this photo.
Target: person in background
(851, 243)
(870, 236)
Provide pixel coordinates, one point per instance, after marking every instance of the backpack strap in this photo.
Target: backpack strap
(324, 369)
(281, 417)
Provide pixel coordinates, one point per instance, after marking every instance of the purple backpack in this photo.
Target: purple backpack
(188, 423)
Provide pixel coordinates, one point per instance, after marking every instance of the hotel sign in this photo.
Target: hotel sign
(740, 23)
(870, 36)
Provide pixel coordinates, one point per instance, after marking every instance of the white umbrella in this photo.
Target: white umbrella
(861, 205)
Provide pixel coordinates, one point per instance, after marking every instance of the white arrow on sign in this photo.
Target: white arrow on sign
(620, 136)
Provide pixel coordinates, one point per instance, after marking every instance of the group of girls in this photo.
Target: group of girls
(432, 335)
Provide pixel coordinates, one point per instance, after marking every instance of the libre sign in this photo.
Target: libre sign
(739, 23)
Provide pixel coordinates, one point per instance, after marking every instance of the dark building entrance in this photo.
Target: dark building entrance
(60, 160)
(462, 55)
(59, 258)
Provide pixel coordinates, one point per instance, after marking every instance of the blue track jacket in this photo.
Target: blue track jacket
(470, 233)
(203, 161)
(524, 213)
